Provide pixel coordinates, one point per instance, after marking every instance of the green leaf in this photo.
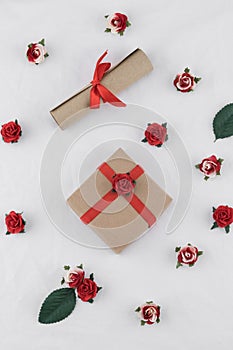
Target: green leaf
(57, 306)
(215, 225)
(218, 173)
(30, 45)
(223, 122)
(220, 160)
(107, 30)
(197, 80)
(158, 320)
(62, 280)
(91, 301)
(66, 267)
(227, 228)
(91, 277)
(46, 55)
(200, 253)
(8, 233)
(186, 70)
(149, 302)
(80, 266)
(164, 125)
(206, 178)
(190, 265)
(99, 288)
(144, 140)
(42, 42)
(197, 166)
(106, 16)
(177, 249)
(138, 309)
(121, 32)
(143, 323)
(166, 138)
(213, 208)
(128, 24)
(160, 145)
(178, 265)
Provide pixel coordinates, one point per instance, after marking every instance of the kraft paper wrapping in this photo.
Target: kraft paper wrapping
(128, 71)
(119, 224)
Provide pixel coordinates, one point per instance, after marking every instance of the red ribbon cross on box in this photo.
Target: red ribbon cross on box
(112, 195)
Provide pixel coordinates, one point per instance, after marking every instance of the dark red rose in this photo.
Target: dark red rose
(149, 313)
(187, 255)
(87, 290)
(36, 52)
(211, 166)
(123, 184)
(118, 22)
(14, 222)
(223, 216)
(185, 82)
(75, 277)
(11, 132)
(155, 134)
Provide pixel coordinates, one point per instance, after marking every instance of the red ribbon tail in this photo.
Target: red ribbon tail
(108, 96)
(141, 209)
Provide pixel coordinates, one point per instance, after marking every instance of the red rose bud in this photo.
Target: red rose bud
(75, 277)
(123, 184)
(117, 23)
(156, 134)
(11, 132)
(210, 166)
(188, 255)
(14, 223)
(223, 217)
(36, 52)
(185, 82)
(87, 290)
(149, 313)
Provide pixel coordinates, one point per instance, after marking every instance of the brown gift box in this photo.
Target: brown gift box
(119, 224)
(118, 78)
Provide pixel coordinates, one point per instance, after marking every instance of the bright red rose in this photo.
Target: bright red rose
(75, 277)
(185, 82)
(210, 166)
(223, 216)
(155, 134)
(14, 222)
(87, 290)
(149, 313)
(117, 23)
(11, 132)
(123, 184)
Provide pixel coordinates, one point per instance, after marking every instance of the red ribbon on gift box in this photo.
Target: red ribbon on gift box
(100, 91)
(112, 195)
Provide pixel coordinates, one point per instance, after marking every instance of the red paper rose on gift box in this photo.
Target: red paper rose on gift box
(210, 166)
(36, 52)
(185, 82)
(188, 255)
(117, 23)
(14, 223)
(149, 313)
(11, 132)
(223, 217)
(123, 184)
(156, 134)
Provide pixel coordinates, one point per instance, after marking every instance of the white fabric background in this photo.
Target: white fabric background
(196, 303)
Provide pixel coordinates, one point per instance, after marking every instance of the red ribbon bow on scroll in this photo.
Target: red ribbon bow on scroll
(100, 91)
(112, 195)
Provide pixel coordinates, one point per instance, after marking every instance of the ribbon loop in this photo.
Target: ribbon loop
(100, 91)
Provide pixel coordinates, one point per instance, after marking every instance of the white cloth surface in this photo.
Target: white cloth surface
(196, 303)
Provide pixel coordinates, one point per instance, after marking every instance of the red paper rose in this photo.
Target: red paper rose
(210, 166)
(149, 313)
(36, 52)
(11, 132)
(14, 222)
(123, 184)
(185, 82)
(223, 217)
(156, 134)
(74, 277)
(187, 255)
(87, 290)
(117, 23)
